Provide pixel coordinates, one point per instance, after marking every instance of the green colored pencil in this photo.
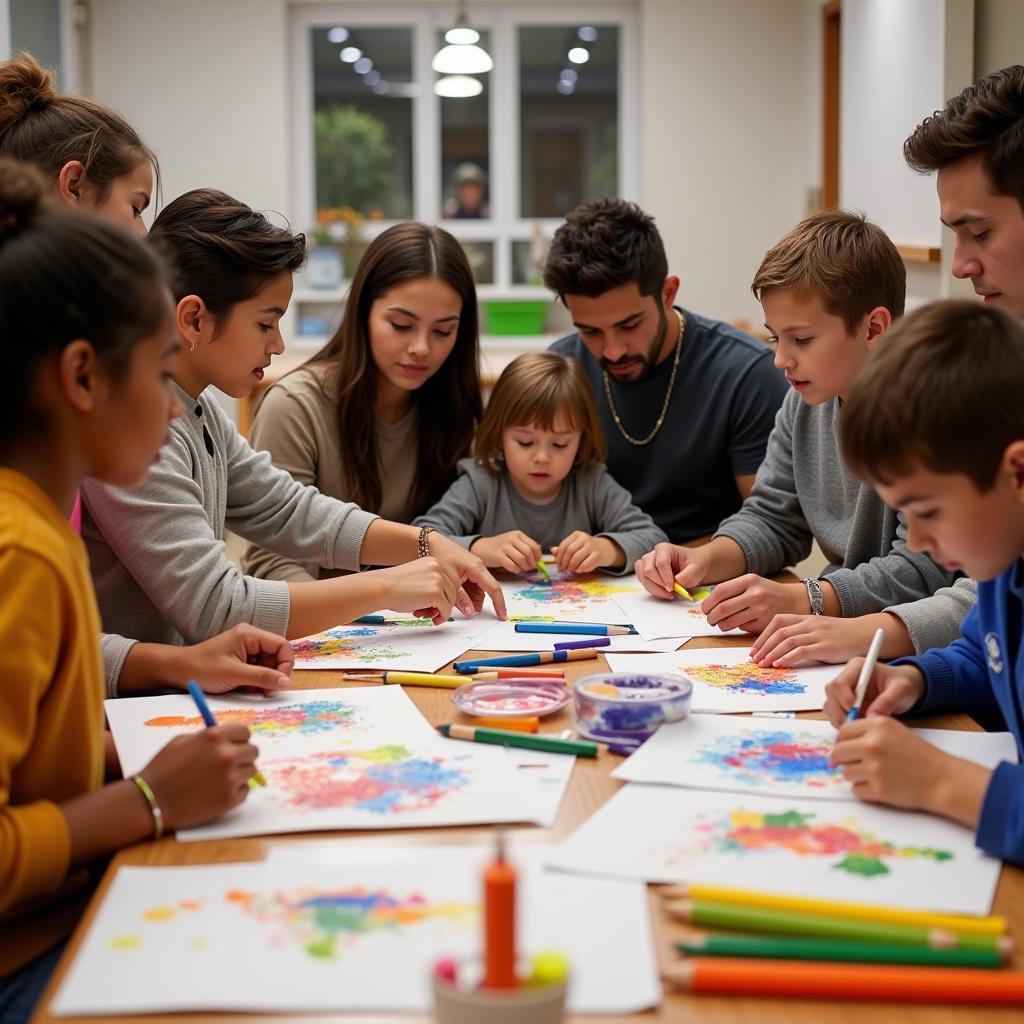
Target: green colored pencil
(507, 738)
(837, 949)
(757, 919)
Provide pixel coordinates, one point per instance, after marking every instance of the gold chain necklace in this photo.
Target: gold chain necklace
(668, 394)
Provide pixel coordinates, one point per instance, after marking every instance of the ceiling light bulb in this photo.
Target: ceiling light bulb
(462, 60)
(337, 35)
(350, 54)
(587, 33)
(579, 55)
(458, 86)
(362, 65)
(462, 35)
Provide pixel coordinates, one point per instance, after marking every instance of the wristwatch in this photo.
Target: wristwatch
(814, 596)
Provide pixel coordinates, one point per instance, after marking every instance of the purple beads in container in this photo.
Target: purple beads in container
(625, 708)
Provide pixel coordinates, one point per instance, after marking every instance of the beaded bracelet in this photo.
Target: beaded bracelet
(154, 807)
(422, 545)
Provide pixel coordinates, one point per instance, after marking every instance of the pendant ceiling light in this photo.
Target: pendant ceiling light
(458, 86)
(461, 55)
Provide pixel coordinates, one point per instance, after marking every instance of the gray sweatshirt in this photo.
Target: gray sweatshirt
(803, 492)
(484, 504)
(157, 553)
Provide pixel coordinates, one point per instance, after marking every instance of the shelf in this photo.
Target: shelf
(919, 253)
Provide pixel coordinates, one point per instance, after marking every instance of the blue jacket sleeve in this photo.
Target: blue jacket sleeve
(1001, 826)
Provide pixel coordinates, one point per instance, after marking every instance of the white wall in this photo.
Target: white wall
(724, 151)
(206, 84)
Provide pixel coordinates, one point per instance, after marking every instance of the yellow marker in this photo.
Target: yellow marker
(682, 592)
(543, 569)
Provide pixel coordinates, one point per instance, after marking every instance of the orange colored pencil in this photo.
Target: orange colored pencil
(500, 922)
(528, 724)
(846, 981)
(518, 673)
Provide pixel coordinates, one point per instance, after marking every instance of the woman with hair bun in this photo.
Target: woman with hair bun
(92, 156)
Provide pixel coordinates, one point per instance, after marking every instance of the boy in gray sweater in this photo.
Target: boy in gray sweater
(830, 289)
(537, 482)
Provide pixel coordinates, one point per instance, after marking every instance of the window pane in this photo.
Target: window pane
(465, 147)
(481, 260)
(568, 116)
(362, 99)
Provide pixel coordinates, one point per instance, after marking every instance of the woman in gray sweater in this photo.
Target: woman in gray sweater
(157, 552)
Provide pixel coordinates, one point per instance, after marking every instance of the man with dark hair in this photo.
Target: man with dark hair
(976, 143)
(686, 403)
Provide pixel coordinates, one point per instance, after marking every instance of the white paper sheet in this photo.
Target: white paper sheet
(502, 636)
(542, 778)
(654, 617)
(417, 645)
(569, 598)
(821, 849)
(292, 936)
(775, 757)
(352, 758)
(725, 681)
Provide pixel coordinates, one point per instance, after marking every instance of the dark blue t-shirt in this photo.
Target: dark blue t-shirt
(723, 407)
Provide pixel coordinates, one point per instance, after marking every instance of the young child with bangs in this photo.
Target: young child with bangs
(936, 426)
(537, 482)
(830, 289)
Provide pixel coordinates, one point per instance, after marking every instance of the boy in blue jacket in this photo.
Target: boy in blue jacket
(935, 423)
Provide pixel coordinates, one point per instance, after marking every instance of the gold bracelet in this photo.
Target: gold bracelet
(422, 545)
(154, 807)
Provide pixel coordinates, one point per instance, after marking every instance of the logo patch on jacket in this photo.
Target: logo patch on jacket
(995, 656)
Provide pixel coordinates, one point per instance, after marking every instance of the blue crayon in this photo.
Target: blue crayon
(584, 628)
(517, 660)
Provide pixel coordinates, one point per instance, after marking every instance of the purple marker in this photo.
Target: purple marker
(594, 641)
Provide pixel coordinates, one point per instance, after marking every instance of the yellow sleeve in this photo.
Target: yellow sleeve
(35, 847)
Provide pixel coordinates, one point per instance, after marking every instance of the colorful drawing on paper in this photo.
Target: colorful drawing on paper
(311, 719)
(349, 642)
(577, 592)
(383, 780)
(326, 922)
(747, 678)
(856, 850)
(761, 755)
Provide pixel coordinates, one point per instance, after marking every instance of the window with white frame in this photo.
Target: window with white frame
(552, 123)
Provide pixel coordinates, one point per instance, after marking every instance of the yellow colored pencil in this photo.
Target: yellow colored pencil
(682, 592)
(835, 908)
(408, 679)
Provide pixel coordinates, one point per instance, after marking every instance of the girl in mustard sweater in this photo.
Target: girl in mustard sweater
(89, 352)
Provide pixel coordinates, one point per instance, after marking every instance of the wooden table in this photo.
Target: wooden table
(591, 785)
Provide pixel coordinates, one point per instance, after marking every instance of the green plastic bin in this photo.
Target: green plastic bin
(517, 316)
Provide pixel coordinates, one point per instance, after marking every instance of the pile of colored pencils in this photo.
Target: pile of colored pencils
(792, 946)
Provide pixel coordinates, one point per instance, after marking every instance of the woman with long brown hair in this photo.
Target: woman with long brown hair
(382, 414)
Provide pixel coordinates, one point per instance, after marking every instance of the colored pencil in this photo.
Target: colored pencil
(383, 620)
(682, 592)
(866, 671)
(584, 628)
(835, 908)
(528, 724)
(543, 570)
(196, 692)
(757, 919)
(848, 981)
(552, 744)
(579, 645)
(836, 949)
(521, 672)
(409, 679)
(516, 660)
(500, 921)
